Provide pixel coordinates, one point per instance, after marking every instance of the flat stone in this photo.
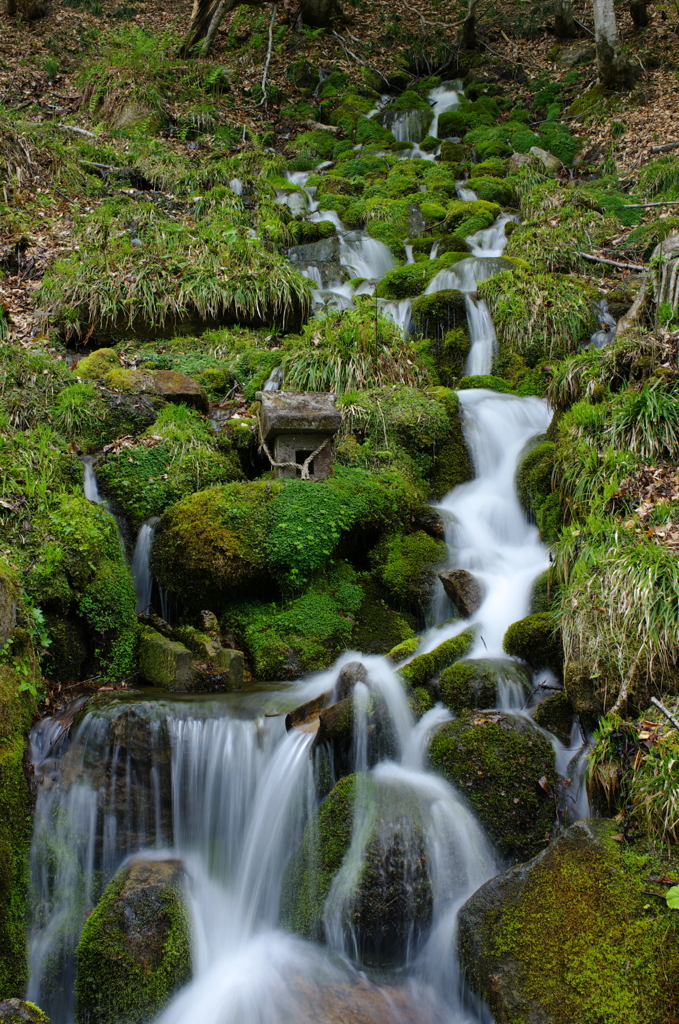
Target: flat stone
(284, 412)
(327, 250)
(231, 662)
(463, 589)
(179, 387)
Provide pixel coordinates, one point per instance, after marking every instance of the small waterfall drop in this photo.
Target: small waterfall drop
(140, 567)
(90, 484)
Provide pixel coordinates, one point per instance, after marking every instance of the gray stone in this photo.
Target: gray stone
(16, 1011)
(296, 201)
(233, 663)
(551, 163)
(297, 424)
(325, 251)
(463, 589)
(354, 672)
(581, 53)
(519, 160)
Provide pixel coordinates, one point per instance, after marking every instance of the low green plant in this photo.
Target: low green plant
(647, 421)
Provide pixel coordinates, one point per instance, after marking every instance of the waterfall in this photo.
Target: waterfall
(90, 485)
(140, 567)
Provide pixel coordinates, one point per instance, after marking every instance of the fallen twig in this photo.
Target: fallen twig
(665, 148)
(643, 206)
(80, 131)
(435, 24)
(610, 263)
(668, 714)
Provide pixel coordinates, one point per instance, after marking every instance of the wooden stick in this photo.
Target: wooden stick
(610, 263)
(668, 714)
(80, 131)
(274, 12)
(665, 148)
(643, 206)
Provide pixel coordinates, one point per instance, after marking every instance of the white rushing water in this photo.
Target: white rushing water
(140, 567)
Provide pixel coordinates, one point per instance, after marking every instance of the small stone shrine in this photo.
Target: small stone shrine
(296, 431)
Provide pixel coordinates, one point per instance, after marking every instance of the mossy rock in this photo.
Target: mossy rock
(16, 1011)
(176, 457)
(536, 494)
(537, 641)
(556, 715)
(404, 649)
(379, 628)
(497, 761)
(210, 546)
(572, 935)
(17, 709)
(494, 190)
(452, 463)
(544, 595)
(411, 280)
(463, 216)
(487, 382)
(425, 668)
(437, 314)
(391, 896)
(135, 948)
(481, 683)
(98, 364)
(453, 152)
(586, 694)
(406, 567)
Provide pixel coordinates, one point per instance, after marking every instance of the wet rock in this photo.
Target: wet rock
(537, 641)
(16, 1011)
(412, 125)
(463, 589)
(483, 683)
(424, 668)
(391, 898)
(496, 760)
(324, 255)
(431, 521)
(179, 387)
(306, 713)
(296, 201)
(354, 672)
(571, 936)
(584, 692)
(135, 949)
(164, 662)
(336, 724)
(556, 715)
(551, 163)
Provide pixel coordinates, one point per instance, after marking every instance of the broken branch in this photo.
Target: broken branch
(668, 714)
(610, 263)
(665, 148)
(274, 12)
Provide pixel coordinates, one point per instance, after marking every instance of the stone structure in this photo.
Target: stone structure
(296, 430)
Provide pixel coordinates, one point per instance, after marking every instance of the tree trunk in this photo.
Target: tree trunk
(564, 24)
(206, 17)
(615, 71)
(469, 39)
(11, 7)
(639, 12)
(319, 13)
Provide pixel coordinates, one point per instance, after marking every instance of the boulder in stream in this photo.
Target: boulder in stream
(424, 668)
(505, 767)
(572, 936)
(388, 901)
(537, 641)
(482, 683)
(135, 949)
(463, 589)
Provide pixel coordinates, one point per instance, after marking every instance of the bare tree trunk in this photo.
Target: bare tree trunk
(615, 71)
(206, 18)
(469, 39)
(639, 12)
(320, 13)
(564, 23)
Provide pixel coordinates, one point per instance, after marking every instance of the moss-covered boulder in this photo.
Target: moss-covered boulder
(16, 1011)
(79, 576)
(537, 641)
(411, 280)
(439, 313)
(406, 565)
(424, 668)
(18, 670)
(539, 500)
(482, 683)
(135, 949)
(497, 761)
(572, 935)
(556, 715)
(378, 627)
(177, 456)
(388, 898)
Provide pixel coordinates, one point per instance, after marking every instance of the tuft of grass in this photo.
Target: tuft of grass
(647, 421)
(345, 350)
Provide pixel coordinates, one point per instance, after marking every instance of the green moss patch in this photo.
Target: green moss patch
(497, 760)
